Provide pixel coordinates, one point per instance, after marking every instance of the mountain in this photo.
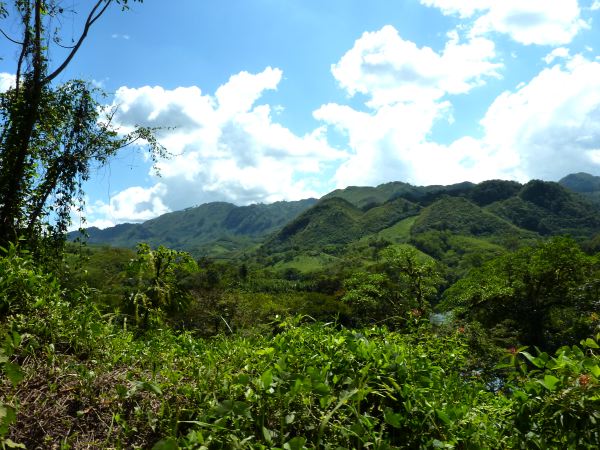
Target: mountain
(581, 182)
(458, 215)
(213, 228)
(335, 222)
(366, 197)
(584, 184)
(460, 225)
(443, 221)
(548, 208)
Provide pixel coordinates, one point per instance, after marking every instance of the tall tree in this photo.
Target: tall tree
(547, 295)
(50, 135)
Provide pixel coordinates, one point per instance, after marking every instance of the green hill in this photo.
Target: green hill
(214, 229)
(445, 221)
(460, 216)
(549, 209)
(581, 182)
(366, 197)
(335, 222)
(584, 184)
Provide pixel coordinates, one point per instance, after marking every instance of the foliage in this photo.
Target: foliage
(13, 372)
(460, 216)
(549, 209)
(23, 284)
(51, 135)
(156, 283)
(401, 287)
(87, 379)
(557, 403)
(547, 294)
(416, 276)
(214, 229)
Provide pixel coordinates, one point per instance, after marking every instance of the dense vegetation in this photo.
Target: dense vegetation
(153, 349)
(389, 317)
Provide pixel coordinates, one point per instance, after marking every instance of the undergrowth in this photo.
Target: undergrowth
(76, 377)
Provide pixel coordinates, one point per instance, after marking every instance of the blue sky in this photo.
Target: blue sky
(287, 99)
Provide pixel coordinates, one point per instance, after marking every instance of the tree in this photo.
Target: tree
(545, 295)
(415, 276)
(402, 286)
(51, 135)
(156, 278)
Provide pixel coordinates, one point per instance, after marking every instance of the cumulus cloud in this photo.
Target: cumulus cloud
(560, 52)
(552, 124)
(408, 91)
(462, 8)
(545, 128)
(226, 146)
(134, 204)
(386, 143)
(389, 69)
(541, 22)
(7, 80)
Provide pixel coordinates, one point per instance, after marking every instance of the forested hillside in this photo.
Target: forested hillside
(493, 210)
(209, 229)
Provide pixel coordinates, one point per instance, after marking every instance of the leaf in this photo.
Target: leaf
(268, 435)
(536, 361)
(224, 408)
(10, 444)
(149, 387)
(297, 443)
(242, 409)
(166, 444)
(14, 373)
(321, 389)
(550, 382)
(594, 370)
(8, 416)
(392, 418)
(265, 351)
(443, 416)
(266, 379)
(590, 343)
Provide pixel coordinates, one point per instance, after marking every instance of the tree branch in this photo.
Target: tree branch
(92, 17)
(26, 20)
(9, 38)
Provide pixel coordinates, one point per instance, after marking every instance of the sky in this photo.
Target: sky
(268, 100)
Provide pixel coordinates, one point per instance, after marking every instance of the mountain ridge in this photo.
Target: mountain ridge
(490, 209)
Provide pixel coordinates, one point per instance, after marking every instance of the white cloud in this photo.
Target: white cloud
(227, 147)
(595, 6)
(7, 80)
(389, 69)
(560, 52)
(551, 125)
(462, 8)
(546, 128)
(542, 22)
(134, 204)
(385, 143)
(408, 90)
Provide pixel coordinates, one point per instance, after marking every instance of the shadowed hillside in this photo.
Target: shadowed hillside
(212, 228)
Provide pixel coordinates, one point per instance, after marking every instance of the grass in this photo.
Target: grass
(398, 233)
(307, 263)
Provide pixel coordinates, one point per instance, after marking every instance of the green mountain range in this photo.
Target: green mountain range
(439, 220)
(214, 229)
